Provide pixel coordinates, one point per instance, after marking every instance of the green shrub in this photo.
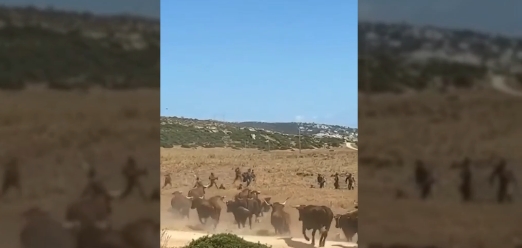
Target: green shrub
(224, 240)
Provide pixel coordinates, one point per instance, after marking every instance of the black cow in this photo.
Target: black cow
(315, 218)
(348, 223)
(241, 213)
(265, 205)
(181, 203)
(279, 218)
(88, 211)
(207, 208)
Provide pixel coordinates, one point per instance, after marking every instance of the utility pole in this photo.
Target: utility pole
(299, 128)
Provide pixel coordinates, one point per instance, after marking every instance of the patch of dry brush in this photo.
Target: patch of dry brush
(439, 129)
(46, 130)
(277, 177)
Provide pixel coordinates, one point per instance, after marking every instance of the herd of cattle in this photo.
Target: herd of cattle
(87, 222)
(247, 205)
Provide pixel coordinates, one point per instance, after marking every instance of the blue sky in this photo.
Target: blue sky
(276, 61)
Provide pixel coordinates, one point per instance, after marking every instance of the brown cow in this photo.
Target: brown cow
(199, 191)
(95, 210)
(92, 237)
(155, 195)
(279, 218)
(181, 203)
(315, 218)
(42, 231)
(347, 223)
(142, 233)
(207, 208)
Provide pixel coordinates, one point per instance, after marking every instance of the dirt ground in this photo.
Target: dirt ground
(439, 129)
(276, 178)
(46, 129)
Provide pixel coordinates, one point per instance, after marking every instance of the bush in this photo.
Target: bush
(224, 240)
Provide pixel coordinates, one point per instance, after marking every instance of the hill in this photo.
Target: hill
(67, 50)
(176, 131)
(306, 128)
(403, 57)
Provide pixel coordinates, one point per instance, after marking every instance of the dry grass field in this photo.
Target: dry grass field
(276, 178)
(46, 129)
(439, 129)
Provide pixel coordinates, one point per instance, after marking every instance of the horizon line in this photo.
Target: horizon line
(308, 122)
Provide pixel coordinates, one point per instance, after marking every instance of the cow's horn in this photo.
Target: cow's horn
(201, 197)
(206, 186)
(189, 197)
(71, 224)
(285, 201)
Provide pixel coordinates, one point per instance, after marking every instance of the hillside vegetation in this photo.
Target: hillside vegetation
(402, 57)
(71, 50)
(205, 133)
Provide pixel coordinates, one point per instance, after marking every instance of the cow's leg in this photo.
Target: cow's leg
(304, 234)
(250, 221)
(313, 236)
(216, 222)
(324, 235)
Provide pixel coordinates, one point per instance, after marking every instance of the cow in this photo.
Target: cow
(155, 195)
(279, 218)
(244, 193)
(181, 203)
(42, 231)
(250, 199)
(241, 213)
(265, 205)
(142, 233)
(315, 218)
(347, 223)
(94, 210)
(207, 208)
(90, 236)
(199, 191)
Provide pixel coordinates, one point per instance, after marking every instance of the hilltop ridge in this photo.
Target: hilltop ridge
(261, 135)
(400, 57)
(67, 50)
